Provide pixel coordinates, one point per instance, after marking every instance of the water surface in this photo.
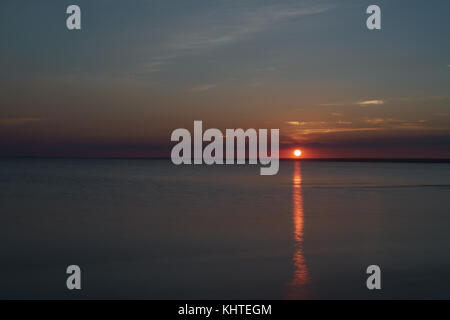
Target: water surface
(149, 229)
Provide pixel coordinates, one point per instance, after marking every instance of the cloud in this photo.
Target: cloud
(306, 123)
(18, 121)
(304, 129)
(378, 120)
(360, 103)
(201, 88)
(419, 124)
(234, 24)
(370, 102)
(331, 104)
(217, 28)
(153, 66)
(390, 123)
(333, 130)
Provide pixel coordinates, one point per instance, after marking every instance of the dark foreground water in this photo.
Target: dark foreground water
(149, 229)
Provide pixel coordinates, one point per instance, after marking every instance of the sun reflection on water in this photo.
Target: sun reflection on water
(296, 286)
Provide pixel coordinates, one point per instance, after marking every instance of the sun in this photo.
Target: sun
(297, 152)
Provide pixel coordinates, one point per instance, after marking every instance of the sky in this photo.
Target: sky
(137, 70)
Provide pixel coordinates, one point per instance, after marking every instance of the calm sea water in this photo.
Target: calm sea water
(149, 229)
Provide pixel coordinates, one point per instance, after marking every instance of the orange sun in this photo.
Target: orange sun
(297, 152)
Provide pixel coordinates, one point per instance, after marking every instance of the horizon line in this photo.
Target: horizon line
(331, 159)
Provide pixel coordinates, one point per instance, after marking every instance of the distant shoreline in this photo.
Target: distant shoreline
(395, 160)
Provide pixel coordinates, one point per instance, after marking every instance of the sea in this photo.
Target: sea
(147, 229)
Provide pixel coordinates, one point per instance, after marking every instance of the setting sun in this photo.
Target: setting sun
(297, 152)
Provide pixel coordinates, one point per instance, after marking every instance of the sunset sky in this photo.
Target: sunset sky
(140, 69)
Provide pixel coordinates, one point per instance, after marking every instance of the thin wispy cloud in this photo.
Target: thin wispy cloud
(379, 120)
(220, 28)
(391, 122)
(201, 88)
(332, 104)
(335, 130)
(153, 66)
(306, 123)
(234, 23)
(370, 102)
(399, 124)
(330, 130)
(300, 130)
(359, 103)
